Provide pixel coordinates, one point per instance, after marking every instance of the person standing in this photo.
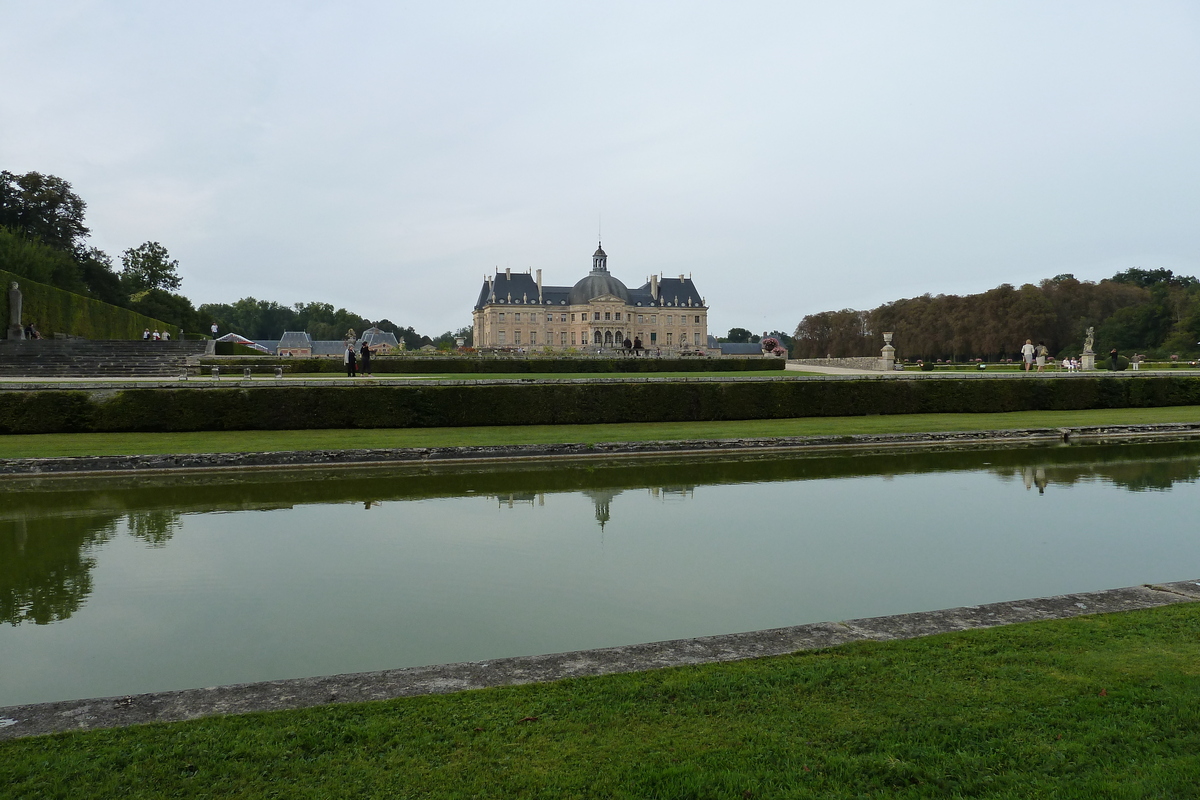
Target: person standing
(366, 361)
(1042, 354)
(214, 330)
(1027, 354)
(146, 335)
(350, 361)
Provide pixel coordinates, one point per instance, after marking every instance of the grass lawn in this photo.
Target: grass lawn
(80, 444)
(1094, 707)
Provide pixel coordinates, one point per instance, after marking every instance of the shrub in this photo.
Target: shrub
(53, 311)
(302, 407)
(399, 365)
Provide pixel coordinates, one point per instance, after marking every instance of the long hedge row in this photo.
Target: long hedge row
(418, 365)
(52, 310)
(284, 408)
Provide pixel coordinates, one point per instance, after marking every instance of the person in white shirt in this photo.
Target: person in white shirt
(1027, 354)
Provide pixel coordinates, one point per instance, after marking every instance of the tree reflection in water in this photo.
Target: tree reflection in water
(51, 530)
(46, 562)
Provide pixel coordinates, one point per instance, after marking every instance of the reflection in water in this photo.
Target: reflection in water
(51, 529)
(143, 583)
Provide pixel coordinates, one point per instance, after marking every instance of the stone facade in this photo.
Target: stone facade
(515, 311)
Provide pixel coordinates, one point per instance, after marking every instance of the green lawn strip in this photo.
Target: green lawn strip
(83, 444)
(1102, 706)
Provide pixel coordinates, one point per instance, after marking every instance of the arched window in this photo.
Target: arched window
(608, 338)
(597, 339)
(618, 337)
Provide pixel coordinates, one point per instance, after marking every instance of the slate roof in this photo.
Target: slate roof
(294, 340)
(520, 288)
(741, 348)
(375, 337)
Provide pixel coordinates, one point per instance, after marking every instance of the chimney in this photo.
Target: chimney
(539, 282)
(654, 286)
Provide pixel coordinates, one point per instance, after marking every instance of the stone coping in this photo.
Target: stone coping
(111, 712)
(149, 464)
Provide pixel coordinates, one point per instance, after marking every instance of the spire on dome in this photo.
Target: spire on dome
(599, 259)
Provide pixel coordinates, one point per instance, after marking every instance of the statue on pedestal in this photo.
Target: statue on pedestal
(15, 331)
(1088, 360)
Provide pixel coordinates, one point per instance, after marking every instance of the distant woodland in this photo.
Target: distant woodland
(43, 237)
(1153, 312)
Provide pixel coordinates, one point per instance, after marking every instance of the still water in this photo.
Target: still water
(137, 584)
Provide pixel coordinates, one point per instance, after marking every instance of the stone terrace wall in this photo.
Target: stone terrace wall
(861, 362)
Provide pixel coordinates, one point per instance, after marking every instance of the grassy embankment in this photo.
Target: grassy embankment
(81, 444)
(1102, 706)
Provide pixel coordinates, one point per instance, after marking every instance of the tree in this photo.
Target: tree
(148, 266)
(739, 336)
(45, 208)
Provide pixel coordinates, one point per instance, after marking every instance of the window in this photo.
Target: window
(608, 315)
(563, 318)
(696, 339)
(670, 319)
(500, 338)
(668, 338)
(572, 318)
(654, 319)
(572, 336)
(517, 317)
(533, 337)
(516, 337)
(502, 316)
(697, 319)
(596, 339)
(564, 339)
(641, 318)
(653, 337)
(596, 316)
(618, 317)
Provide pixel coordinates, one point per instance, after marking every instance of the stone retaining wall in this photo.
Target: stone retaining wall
(858, 362)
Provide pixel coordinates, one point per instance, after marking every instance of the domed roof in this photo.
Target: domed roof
(597, 283)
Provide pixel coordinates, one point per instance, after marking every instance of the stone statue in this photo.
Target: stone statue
(15, 331)
(1089, 341)
(351, 338)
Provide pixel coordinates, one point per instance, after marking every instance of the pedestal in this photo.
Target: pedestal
(887, 361)
(1087, 361)
(15, 332)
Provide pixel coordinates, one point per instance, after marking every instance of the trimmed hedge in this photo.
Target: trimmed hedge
(53, 310)
(299, 407)
(387, 365)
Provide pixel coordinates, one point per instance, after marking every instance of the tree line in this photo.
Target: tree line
(43, 237)
(1154, 312)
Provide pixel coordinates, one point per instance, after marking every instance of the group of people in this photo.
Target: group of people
(1031, 354)
(31, 332)
(357, 363)
(164, 336)
(635, 346)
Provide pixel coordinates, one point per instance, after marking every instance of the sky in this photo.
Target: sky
(792, 157)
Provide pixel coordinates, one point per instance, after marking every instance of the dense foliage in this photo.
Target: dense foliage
(51, 310)
(562, 403)
(1147, 311)
(457, 365)
(43, 238)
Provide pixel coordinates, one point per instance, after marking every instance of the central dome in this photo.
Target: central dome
(597, 283)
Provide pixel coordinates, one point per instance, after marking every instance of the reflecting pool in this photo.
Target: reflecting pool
(112, 586)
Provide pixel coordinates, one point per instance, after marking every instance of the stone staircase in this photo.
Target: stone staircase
(69, 358)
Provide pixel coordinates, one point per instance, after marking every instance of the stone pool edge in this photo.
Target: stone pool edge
(300, 459)
(177, 706)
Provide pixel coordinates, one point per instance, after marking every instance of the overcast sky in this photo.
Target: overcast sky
(792, 157)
